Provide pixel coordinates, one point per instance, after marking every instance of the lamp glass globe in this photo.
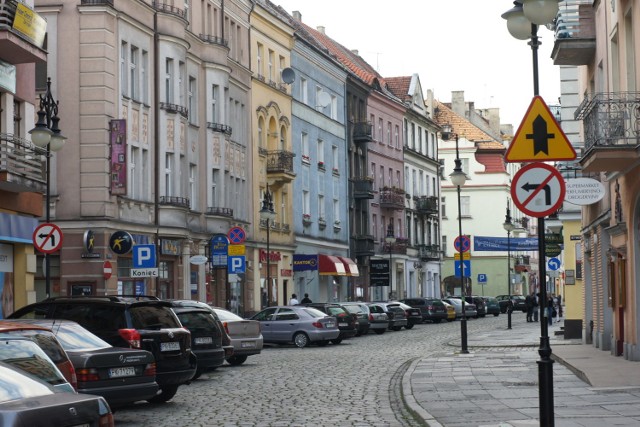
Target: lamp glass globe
(540, 12)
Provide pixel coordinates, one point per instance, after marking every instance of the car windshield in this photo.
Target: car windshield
(314, 312)
(226, 316)
(27, 356)
(15, 386)
(356, 309)
(491, 300)
(74, 337)
(337, 311)
(153, 317)
(198, 321)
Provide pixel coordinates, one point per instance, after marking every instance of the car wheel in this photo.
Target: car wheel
(397, 328)
(337, 341)
(448, 320)
(197, 375)
(237, 360)
(164, 394)
(322, 343)
(379, 331)
(409, 327)
(496, 314)
(301, 340)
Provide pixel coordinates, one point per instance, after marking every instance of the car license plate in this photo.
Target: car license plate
(330, 324)
(342, 324)
(169, 346)
(126, 371)
(248, 344)
(203, 340)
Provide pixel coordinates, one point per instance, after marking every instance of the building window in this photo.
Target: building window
(465, 166)
(443, 206)
(215, 93)
(133, 73)
(304, 143)
(168, 78)
(181, 73)
(259, 60)
(306, 201)
(304, 94)
(193, 186)
(214, 187)
(389, 141)
(380, 129)
(465, 206)
(373, 128)
(397, 136)
(133, 171)
(144, 83)
(334, 107)
(123, 69)
(168, 175)
(320, 151)
(321, 210)
(270, 65)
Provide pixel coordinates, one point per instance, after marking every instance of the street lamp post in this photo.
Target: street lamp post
(509, 227)
(268, 214)
(458, 178)
(391, 240)
(522, 22)
(47, 134)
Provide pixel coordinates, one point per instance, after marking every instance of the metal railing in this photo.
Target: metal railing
(575, 19)
(218, 127)
(174, 108)
(610, 119)
(19, 157)
(280, 161)
(219, 211)
(429, 252)
(427, 205)
(181, 202)
(214, 40)
(362, 132)
(167, 8)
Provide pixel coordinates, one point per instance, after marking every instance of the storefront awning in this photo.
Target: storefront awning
(350, 266)
(331, 266)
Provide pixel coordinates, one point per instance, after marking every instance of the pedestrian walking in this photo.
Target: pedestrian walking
(549, 310)
(536, 306)
(294, 300)
(306, 299)
(528, 303)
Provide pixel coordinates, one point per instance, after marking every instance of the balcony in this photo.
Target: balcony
(16, 47)
(363, 245)
(575, 33)
(179, 202)
(218, 211)
(392, 198)
(522, 264)
(611, 131)
(22, 165)
(171, 10)
(427, 205)
(399, 247)
(214, 40)
(175, 109)
(362, 188)
(429, 252)
(218, 127)
(280, 165)
(362, 132)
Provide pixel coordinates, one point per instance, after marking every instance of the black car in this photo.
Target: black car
(479, 302)
(206, 334)
(517, 302)
(414, 315)
(136, 322)
(347, 322)
(361, 311)
(492, 306)
(432, 309)
(120, 375)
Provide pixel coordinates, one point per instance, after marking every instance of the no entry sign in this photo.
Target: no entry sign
(538, 189)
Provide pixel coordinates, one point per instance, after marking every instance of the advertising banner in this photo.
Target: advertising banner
(118, 130)
(305, 262)
(484, 243)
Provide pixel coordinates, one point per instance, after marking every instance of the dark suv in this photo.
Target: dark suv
(135, 322)
(432, 309)
(347, 322)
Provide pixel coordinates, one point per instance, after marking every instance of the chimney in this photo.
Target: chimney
(355, 52)
(297, 15)
(320, 29)
(457, 102)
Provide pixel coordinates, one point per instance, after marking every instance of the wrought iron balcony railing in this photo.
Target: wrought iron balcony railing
(280, 161)
(96, 2)
(214, 40)
(362, 132)
(218, 127)
(218, 211)
(610, 119)
(167, 8)
(392, 199)
(181, 202)
(22, 165)
(175, 108)
(427, 205)
(429, 252)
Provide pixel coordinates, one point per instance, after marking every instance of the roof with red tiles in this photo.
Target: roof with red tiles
(399, 86)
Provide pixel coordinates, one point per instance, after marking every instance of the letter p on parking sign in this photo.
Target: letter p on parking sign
(144, 256)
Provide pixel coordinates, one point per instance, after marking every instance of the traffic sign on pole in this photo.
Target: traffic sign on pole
(462, 243)
(539, 137)
(47, 238)
(237, 235)
(538, 189)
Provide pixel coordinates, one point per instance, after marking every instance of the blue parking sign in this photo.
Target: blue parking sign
(236, 264)
(144, 256)
(482, 278)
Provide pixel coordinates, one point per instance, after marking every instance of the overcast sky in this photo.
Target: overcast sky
(452, 45)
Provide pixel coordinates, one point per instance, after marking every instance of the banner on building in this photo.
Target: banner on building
(379, 272)
(118, 139)
(305, 262)
(486, 244)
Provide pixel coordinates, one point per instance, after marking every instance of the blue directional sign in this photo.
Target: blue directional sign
(219, 248)
(553, 264)
(482, 278)
(144, 256)
(467, 268)
(236, 264)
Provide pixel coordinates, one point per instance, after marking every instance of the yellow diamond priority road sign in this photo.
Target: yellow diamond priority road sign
(539, 137)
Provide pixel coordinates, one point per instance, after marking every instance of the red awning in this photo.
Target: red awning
(350, 266)
(330, 266)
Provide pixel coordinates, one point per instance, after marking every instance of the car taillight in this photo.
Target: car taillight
(74, 377)
(429, 307)
(318, 325)
(371, 317)
(106, 420)
(226, 326)
(150, 370)
(87, 374)
(132, 336)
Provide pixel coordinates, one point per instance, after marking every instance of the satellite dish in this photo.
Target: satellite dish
(323, 99)
(288, 75)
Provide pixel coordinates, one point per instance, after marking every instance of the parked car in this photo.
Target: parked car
(517, 302)
(206, 334)
(25, 400)
(298, 324)
(396, 315)
(378, 319)
(361, 311)
(492, 305)
(432, 309)
(120, 375)
(25, 355)
(451, 311)
(414, 315)
(245, 335)
(469, 309)
(47, 341)
(479, 303)
(136, 322)
(347, 322)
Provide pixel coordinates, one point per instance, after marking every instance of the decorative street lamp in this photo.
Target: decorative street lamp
(458, 178)
(268, 214)
(522, 22)
(509, 227)
(47, 134)
(391, 240)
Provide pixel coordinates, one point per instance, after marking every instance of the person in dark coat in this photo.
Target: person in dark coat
(306, 299)
(528, 303)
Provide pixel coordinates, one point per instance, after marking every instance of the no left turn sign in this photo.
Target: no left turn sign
(47, 238)
(538, 189)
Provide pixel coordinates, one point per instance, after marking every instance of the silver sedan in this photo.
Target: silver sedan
(297, 324)
(245, 335)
